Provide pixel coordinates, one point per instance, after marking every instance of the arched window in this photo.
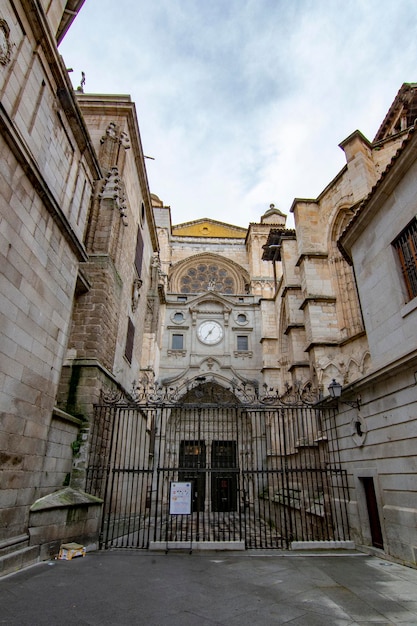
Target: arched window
(205, 277)
(208, 272)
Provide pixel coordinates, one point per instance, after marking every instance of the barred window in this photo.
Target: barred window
(406, 246)
(242, 343)
(177, 342)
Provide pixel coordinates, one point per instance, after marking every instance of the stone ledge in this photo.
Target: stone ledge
(196, 545)
(66, 417)
(323, 545)
(8, 545)
(63, 498)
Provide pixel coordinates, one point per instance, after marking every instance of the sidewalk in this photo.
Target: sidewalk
(123, 588)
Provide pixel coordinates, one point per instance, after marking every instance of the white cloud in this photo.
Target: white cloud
(243, 102)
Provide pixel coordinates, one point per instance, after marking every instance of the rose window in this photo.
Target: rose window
(206, 277)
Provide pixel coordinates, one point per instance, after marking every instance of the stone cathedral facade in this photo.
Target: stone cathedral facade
(101, 290)
(215, 284)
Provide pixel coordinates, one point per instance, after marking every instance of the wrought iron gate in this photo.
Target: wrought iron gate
(263, 471)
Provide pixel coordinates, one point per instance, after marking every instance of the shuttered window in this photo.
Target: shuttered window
(130, 338)
(139, 253)
(406, 246)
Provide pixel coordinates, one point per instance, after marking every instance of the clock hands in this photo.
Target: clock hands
(210, 332)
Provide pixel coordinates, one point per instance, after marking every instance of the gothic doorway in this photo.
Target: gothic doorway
(263, 471)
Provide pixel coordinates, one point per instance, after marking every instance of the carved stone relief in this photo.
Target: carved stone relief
(136, 285)
(113, 189)
(5, 44)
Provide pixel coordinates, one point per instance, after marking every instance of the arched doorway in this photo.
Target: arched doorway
(208, 434)
(204, 438)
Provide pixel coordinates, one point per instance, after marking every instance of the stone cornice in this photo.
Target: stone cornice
(311, 255)
(290, 288)
(70, 12)
(291, 327)
(322, 299)
(321, 344)
(297, 365)
(354, 337)
(66, 417)
(243, 329)
(177, 327)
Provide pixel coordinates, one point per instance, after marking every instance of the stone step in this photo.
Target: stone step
(13, 543)
(18, 559)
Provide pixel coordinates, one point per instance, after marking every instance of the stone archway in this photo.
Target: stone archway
(208, 272)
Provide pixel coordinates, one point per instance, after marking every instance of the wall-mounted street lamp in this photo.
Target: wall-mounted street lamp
(335, 391)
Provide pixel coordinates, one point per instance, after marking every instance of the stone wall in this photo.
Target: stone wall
(47, 170)
(38, 283)
(380, 453)
(386, 453)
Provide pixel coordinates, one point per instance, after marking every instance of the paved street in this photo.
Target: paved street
(119, 588)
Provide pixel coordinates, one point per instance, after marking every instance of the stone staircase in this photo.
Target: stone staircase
(16, 553)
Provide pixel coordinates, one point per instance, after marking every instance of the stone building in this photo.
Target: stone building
(345, 315)
(78, 241)
(137, 354)
(110, 313)
(379, 436)
(216, 283)
(48, 168)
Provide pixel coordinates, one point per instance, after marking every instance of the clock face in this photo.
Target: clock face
(210, 332)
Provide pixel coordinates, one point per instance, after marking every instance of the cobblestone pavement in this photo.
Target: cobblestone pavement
(205, 589)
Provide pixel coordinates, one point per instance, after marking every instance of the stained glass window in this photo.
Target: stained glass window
(205, 277)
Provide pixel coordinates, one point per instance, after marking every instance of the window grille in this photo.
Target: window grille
(406, 246)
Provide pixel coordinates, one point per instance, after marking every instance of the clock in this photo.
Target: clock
(210, 332)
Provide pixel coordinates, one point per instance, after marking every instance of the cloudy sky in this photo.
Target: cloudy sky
(242, 103)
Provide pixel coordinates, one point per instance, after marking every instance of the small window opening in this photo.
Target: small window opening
(177, 342)
(130, 338)
(406, 247)
(242, 342)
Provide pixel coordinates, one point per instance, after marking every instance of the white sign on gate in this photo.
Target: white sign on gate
(180, 499)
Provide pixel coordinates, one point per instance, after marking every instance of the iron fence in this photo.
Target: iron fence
(263, 474)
